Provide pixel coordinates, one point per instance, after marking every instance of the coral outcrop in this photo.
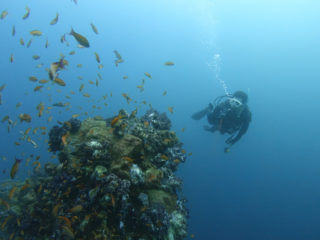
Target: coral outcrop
(114, 180)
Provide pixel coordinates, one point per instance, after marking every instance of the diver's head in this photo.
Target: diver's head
(241, 96)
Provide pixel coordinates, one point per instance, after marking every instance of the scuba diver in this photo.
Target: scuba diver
(228, 114)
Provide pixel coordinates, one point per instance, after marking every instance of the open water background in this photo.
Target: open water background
(267, 187)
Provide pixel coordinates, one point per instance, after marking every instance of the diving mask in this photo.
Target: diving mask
(234, 102)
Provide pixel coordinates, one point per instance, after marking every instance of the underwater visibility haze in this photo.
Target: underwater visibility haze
(97, 135)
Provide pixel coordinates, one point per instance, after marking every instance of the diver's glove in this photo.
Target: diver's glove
(230, 141)
(210, 106)
(208, 128)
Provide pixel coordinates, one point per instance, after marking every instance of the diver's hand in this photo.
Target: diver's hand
(208, 128)
(230, 141)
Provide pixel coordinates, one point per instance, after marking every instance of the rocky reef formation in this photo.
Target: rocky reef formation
(115, 180)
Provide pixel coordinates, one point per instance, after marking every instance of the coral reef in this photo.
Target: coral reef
(114, 180)
(56, 133)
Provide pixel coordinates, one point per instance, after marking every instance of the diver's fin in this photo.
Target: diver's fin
(201, 114)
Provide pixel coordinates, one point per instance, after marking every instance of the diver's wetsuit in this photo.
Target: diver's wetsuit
(227, 119)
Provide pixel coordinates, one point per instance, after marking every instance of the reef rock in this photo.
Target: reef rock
(115, 180)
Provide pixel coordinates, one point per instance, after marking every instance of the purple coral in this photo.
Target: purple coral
(116, 185)
(56, 133)
(73, 126)
(155, 220)
(157, 120)
(55, 136)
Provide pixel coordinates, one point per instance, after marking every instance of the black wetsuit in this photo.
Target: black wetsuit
(228, 119)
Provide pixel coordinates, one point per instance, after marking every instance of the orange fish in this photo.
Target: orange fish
(76, 209)
(176, 161)
(4, 203)
(12, 191)
(164, 157)
(15, 168)
(36, 163)
(129, 159)
(25, 117)
(148, 74)
(55, 209)
(97, 57)
(116, 119)
(11, 235)
(39, 188)
(126, 97)
(5, 222)
(37, 88)
(27, 131)
(40, 108)
(25, 186)
(65, 220)
(68, 231)
(146, 123)
(59, 81)
(113, 201)
(64, 138)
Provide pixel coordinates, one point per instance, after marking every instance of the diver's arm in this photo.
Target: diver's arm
(242, 130)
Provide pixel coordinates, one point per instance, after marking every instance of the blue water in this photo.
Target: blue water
(267, 186)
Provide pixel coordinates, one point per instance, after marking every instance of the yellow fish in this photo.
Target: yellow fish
(21, 42)
(148, 74)
(170, 109)
(94, 28)
(55, 20)
(37, 88)
(2, 87)
(29, 43)
(25, 117)
(13, 30)
(26, 15)
(43, 81)
(36, 33)
(140, 87)
(63, 38)
(97, 57)
(33, 78)
(81, 87)
(15, 168)
(4, 14)
(76, 209)
(12, 191)
(169, 63)
(126, 97)
(18, 104)
(80, 39)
